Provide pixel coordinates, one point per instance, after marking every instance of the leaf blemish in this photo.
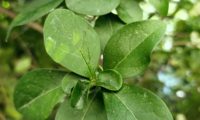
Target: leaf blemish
(76, 38)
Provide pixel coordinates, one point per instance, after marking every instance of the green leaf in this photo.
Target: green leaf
(33, 11)
(72, 42)
(79, 95)
(134, 103)
(161, 6)
(94, 110)
(110, 79)
(128, 51)
(106, 26)
(38, 92)
(92, 7)
(129, 11)
(69, 81)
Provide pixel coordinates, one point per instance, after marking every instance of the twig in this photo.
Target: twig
(35, 26)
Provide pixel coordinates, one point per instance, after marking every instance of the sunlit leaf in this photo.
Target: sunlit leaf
(129, 11)
(161, 6)
(128, 50)
(92, 7)
(72, 42)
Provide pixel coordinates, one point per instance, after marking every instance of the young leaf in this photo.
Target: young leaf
(92, 7)
(33, 11)
(109, 79)
(161, 6)
(38, 92)
(129, 11)
(106, 26)
(94, 110)
(134, 103)
(72, 42)
(79, 95)
(69, 81)
(128, 50)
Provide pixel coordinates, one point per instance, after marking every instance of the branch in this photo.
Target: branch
(35, 26)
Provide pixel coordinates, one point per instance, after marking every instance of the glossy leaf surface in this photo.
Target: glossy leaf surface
(129, 11)
(38, 92)
(92, 7)
(128, 50)
(110, 79)
(72, 42)
(134, 103)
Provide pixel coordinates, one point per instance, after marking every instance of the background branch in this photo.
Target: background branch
(11, 14)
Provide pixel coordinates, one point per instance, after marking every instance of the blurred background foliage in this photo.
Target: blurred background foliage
(174, 73)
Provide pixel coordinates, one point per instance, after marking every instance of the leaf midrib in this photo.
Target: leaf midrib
(126, 106)
(87, 109)
(38, 97)
(132, 50)
(87, 64)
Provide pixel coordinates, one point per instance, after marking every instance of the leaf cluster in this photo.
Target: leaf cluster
(92, 91)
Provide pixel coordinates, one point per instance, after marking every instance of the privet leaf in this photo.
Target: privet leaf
(33, 11)
(109, 79)
(79, 95)
(129, 11)
(38, 92)
(92, 7)
(72, 42)
(161, 6)
(128, 50)
(134, 103)
(94, 110)
(106, 26)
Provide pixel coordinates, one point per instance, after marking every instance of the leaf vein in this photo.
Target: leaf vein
(36, 98)
(126, 106)
(132, 50)
(88, 108)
